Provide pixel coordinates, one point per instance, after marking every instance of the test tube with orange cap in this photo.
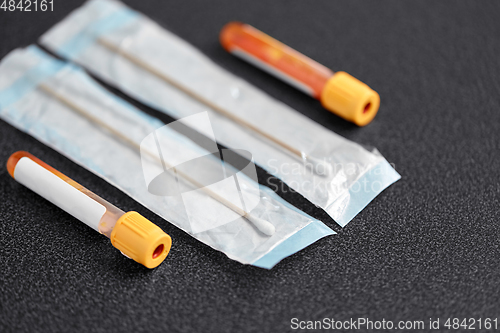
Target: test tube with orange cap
(131, 233)
(338, 92)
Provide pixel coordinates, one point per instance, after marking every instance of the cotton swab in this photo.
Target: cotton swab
(318, 166)
(264, 226)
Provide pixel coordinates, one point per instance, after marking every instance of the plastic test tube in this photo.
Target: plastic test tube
(338, 92)
(131, 233)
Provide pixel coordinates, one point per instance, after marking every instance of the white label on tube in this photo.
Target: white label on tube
(51, 187)
(271, 70)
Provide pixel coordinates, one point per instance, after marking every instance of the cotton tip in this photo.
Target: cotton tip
(263, 225)
(319, 166)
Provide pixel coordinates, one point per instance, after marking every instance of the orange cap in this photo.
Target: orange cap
(139, 239)
(350, 99)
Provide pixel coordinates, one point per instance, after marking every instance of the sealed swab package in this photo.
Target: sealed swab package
(158, 165)
(133, 53)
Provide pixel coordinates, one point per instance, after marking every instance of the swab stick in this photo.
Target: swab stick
(262, 225)
(319, 166)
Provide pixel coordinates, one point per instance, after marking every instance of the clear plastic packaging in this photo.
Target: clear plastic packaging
(117, 44)
(47, 98)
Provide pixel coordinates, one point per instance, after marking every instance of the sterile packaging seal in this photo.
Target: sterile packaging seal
(41, 96)
(354, 175)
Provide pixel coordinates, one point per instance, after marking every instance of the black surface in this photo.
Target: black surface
(426, 247)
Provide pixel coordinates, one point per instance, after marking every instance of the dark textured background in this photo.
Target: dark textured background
(426, 247)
